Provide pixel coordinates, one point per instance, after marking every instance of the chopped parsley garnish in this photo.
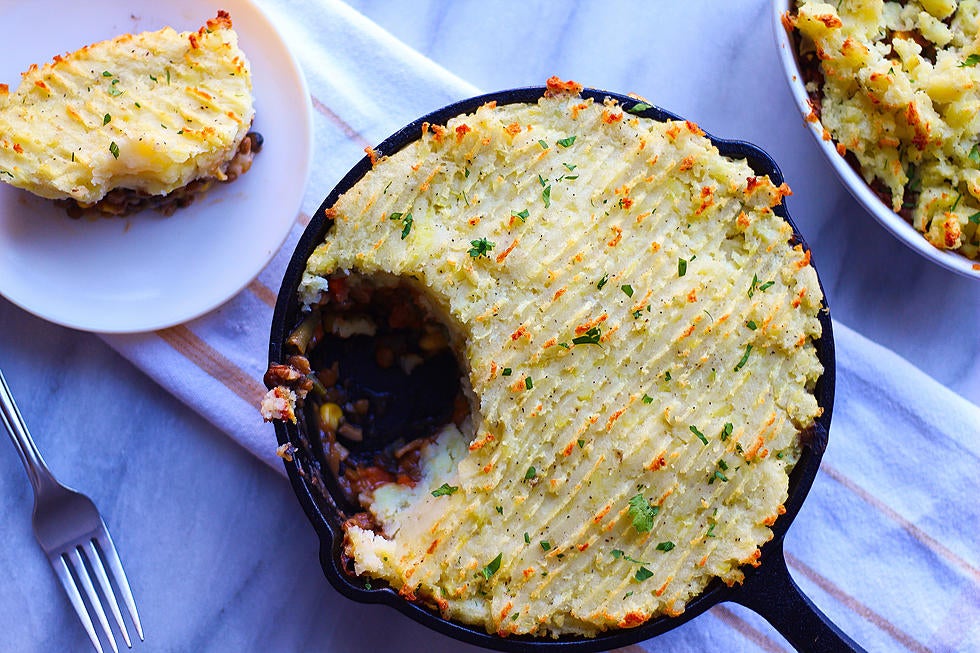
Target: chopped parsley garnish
(681, 267)
(722, 464)
(492, 567)
(106, 73)
(140, 107)
(975, 218)
(665, 546)
(544, 145)
(726, 432)
(628, 289)
(591, 337)
(745, 358)
(667, 375)
(570, 166)
(499, 509)
(719, 476)
(639, 107)
(754, 284)
(523, 215)
(114, 149)
(113, 91)
(528, 383)
(444, 490)
(620, 554)
(527, 538)
(974, 154)
(507, 371)
(106, 119)
(970, 62)
(698, 433)
(752, 325)
(481, 247)
(642, 513)
(546, 196)
(545, 544)
(567, 142)
(603, 281)
(530, 473)
(466, 174)
(542, 181)
(647, 399)
(642, 574)
(581, 443)
(711, 531)
(766, 286)
(406, 219)
(168, 76)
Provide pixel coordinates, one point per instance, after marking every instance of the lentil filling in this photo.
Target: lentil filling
(386, 380)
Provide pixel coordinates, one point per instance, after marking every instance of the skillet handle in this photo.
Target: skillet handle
(772, 593)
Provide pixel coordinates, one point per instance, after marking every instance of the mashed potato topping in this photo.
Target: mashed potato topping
(150, 112)
(637, 333)
(901, 92)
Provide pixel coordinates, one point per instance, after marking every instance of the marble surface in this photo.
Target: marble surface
(219, 554)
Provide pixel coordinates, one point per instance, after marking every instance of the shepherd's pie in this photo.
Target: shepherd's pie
(635, 329)
(155, 117)
(897, 86)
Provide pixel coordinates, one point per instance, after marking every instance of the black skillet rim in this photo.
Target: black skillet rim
(318, 508)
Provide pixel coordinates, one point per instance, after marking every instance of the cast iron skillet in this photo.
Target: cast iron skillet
(767, 589)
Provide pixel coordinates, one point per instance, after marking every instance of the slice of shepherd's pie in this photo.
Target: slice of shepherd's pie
(138, 121)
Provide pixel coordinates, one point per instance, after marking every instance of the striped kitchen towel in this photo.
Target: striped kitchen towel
(886, 543)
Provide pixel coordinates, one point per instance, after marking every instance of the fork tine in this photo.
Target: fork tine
(105, 546)
(82, 573)
(95, 562)
(61, 569)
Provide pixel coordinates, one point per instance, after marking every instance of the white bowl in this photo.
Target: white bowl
(851, 179)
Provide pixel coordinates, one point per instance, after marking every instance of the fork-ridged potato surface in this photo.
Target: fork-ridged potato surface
(149, 112)
(637, 329)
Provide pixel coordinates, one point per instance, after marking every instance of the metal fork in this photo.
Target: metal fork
(73, 535)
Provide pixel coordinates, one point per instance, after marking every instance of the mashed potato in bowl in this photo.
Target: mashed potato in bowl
(896, 86)
(635, 328)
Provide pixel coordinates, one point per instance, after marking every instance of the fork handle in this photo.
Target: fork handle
(37, 470)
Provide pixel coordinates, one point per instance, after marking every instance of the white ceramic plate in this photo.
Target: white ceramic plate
(851, 179)
(147, 271)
